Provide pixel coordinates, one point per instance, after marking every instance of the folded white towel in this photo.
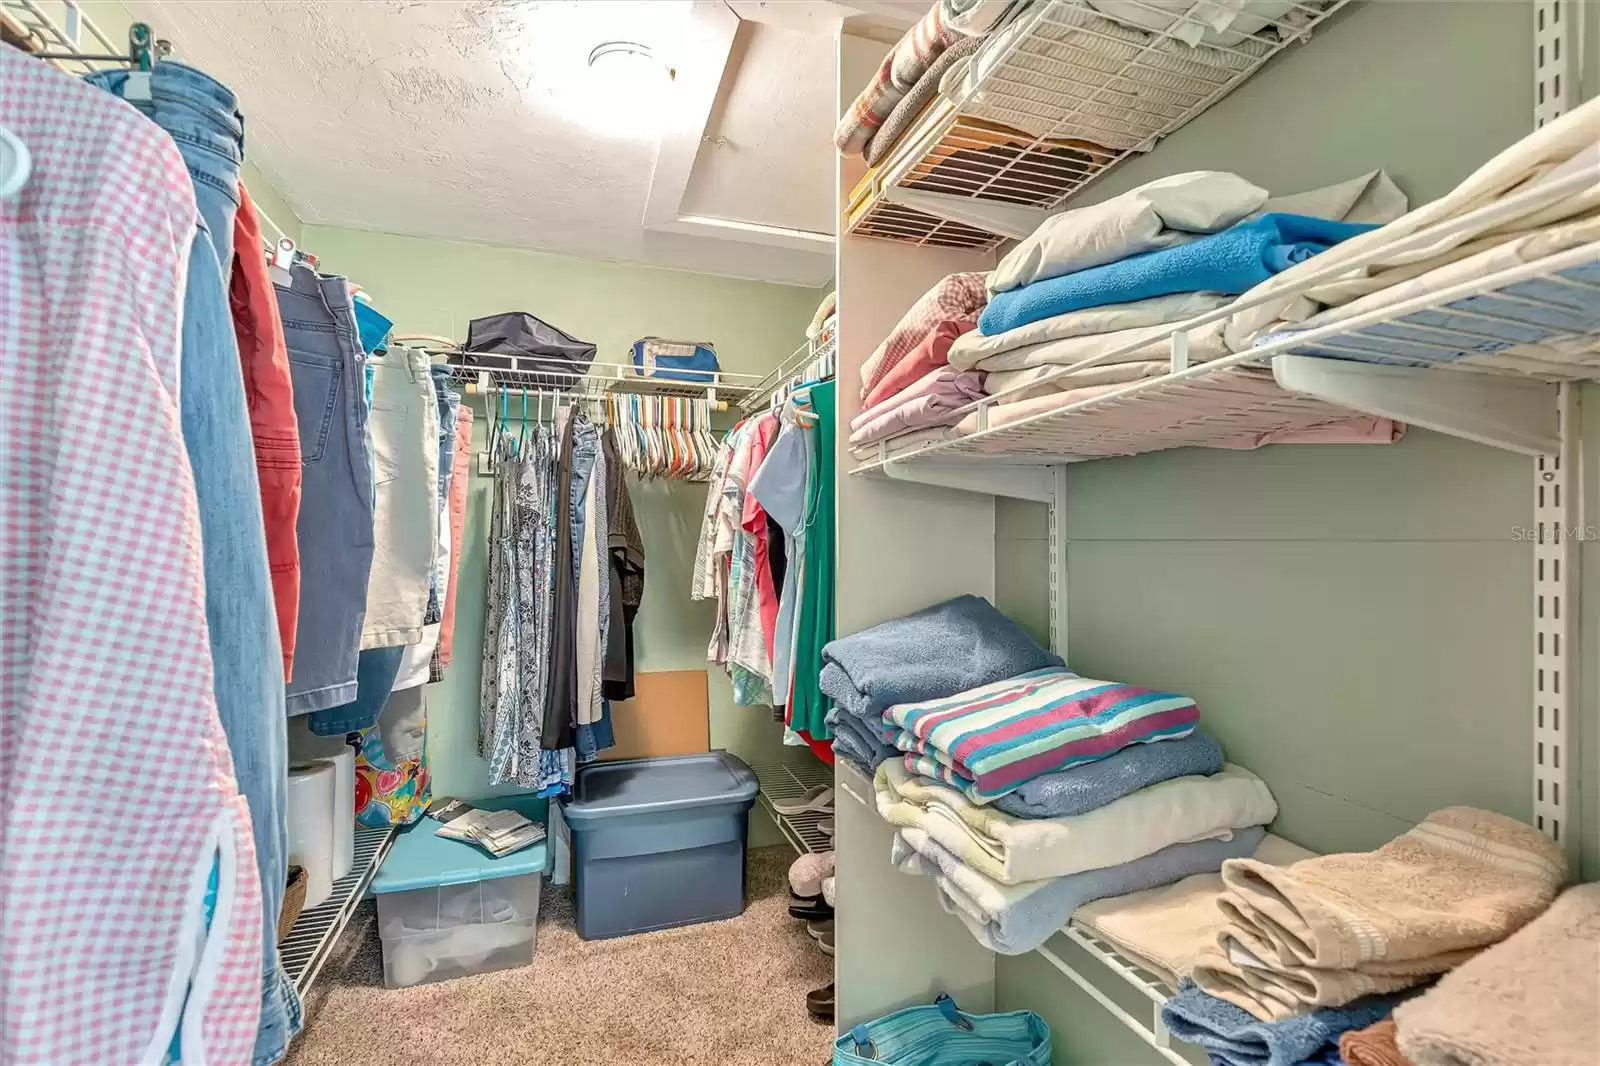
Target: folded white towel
(1012, 850)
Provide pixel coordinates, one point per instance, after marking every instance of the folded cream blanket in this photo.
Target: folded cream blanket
(1532, 1000)
(1167, 929)
(1329, 930)
(1011, 850)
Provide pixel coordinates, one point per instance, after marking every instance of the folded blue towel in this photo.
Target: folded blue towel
(1233, 261)
(1024, 923)
(1091, 785)
(936, 652)
(1236, 1038)
(854, 737)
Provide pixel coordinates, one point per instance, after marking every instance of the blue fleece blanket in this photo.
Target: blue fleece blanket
(1095, 784)
(1233, 1037)
(1032, 917)
(1231, 262)
(934, 653)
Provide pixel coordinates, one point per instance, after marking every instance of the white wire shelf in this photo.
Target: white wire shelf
(1053, 101)
(315, 932)
(533, 375)
(1411, 362)
(1112, 962)
(785, 782)
(814, 359)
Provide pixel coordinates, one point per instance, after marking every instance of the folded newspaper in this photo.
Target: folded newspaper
(498, 832)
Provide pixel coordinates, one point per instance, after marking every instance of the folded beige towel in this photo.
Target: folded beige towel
(1533, 1000)
(1372, 1046)
(1329, 930)
(1166, 929)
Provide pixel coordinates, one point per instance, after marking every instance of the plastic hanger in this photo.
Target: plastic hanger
(16, 164)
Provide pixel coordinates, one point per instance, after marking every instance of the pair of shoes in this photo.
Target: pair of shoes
(822, 933)
(819, 1003)
(811, 911)
(815, 798)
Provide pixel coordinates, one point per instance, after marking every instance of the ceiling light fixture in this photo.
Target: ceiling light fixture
(606, 66)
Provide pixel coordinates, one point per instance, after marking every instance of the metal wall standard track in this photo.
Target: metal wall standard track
(781, 782)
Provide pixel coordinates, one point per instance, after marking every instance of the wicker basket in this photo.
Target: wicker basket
(294, 898)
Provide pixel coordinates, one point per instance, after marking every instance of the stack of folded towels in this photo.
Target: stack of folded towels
(1022, 788)
(1293, 957)
(1096, 279)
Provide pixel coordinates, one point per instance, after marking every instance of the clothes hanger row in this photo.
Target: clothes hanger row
(663, 436)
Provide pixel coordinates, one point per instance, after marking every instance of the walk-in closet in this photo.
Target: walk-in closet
(919, 532)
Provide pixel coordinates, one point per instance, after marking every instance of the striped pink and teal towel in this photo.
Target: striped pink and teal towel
(990, 740)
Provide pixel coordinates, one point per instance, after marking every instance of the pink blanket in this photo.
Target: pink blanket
(932, 400)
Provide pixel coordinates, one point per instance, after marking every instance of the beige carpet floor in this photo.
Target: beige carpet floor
(721, 994)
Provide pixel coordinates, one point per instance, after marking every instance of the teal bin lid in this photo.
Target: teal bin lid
(631, 787)
(420, 858)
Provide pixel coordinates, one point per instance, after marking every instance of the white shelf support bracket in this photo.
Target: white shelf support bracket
(1558, 517)
(1516, 414)
(1557, 71)
(1016, 481)
(1058, 560)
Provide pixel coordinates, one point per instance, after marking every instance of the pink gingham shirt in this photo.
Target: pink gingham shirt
(118, 790)
(955, 297)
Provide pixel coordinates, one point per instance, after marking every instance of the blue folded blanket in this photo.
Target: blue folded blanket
(1231, 262)
(1031, 915)
(854, 737)
(1095, 784)
(1235, 1038)
(936, 652)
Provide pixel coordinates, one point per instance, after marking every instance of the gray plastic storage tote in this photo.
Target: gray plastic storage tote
(517, 340)
(658, 842)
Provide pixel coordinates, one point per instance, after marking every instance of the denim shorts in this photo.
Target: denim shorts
(335, 526)
(202, 117)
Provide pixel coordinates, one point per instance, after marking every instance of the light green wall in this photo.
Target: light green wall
(437, 287)
(1354, 622)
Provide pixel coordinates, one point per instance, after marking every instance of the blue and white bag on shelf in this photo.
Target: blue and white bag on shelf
(692, 361)
(941, 1035)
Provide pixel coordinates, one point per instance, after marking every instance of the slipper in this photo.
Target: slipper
(826, 826)
(816, 929)
(815, 798)
(827, 891)
(806, 874)
(825, 941)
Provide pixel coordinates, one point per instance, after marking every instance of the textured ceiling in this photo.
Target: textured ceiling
(480, 121)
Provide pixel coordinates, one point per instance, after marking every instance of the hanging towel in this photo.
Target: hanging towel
(1233, 1038)
(1095, 784)
(890, 663)
(1014, 919)
(1011, 850)
(1532, 1000)
(991, 739)
(1228, 262)
(1330, 929)
(1167, 929)
(1373, 1046)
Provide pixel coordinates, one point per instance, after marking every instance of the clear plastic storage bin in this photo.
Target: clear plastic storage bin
(447, 909)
